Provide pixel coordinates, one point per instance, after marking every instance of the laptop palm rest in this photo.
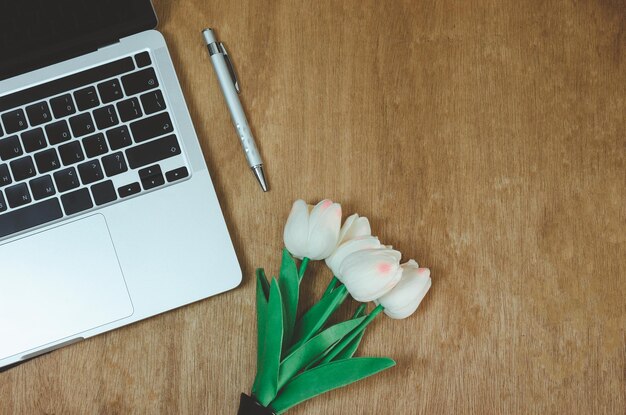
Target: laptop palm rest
(57, 284)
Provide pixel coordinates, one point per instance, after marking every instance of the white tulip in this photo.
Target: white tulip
(354, 227)
(371, 273)
(312, 232)
(353, 245)
(406, 296)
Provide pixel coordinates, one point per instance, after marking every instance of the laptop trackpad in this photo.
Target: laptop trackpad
(59, 283)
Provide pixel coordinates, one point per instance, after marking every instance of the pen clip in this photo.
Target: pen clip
(229, 64)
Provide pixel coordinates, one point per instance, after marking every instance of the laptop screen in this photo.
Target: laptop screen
(37, 33)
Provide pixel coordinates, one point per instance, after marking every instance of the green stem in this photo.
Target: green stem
(303, 265)
(359, 310)
(358, 313)
(331, 286)
(316, 317)
(340, 346)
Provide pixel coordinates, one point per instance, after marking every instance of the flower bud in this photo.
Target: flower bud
(406, 296)
(371, 273)
(357, 244)
(354, 227)
(312, 232)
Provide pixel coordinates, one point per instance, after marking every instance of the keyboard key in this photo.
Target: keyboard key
(119, 137)
(86, 98)
(103, 192)
(76, 202)
(3, 204)
(47, 161)
(71, 153)
(151, 127)
(114, 164)
(153, 151)
(129, 189)
(5, 177)
(38, 113)
(14, 121)
(151, 177)
(90, 172)
(129, 109)
(176, 174)
(140, 81)
(105, 117)
(95, 145)
(82, 124)
(66, 179)
(23, 168)
(153, 102)
(58, 132)
(143, 59)
(30, 216)
(34, 140)
(10, 148)
(63, 106)
(1, 131)
(152, 182)
(18, 195)
(150, 171)
(42, 187)
(67, 83)
(110, 91)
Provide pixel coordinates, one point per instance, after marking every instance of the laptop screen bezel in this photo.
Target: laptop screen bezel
(30, 61)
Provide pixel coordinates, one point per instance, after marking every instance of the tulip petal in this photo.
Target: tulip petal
(371, 273)
(346, 226)
(323, 229)
(296, 232)
(318, 210)
(357, 244)
(360, 227)
(406, 296)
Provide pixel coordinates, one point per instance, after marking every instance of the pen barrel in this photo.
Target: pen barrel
(248, 144)
(237, 113)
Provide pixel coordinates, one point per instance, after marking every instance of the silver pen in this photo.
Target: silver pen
(230, 87)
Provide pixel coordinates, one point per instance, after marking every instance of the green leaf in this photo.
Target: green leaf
(289, 284)
(316, 317)
(265, 285)
(303, 265)
(350, 349)
(314, 348)
(261, 317)
(331, 286)
(267, 386)
(327, 377)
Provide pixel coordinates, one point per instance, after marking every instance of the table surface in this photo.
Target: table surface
(485, 139)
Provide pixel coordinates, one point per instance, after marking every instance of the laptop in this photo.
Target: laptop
(107, 211)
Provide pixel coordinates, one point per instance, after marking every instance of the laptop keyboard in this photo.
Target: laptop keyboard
(84, 141)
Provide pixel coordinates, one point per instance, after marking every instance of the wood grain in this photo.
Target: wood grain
(486, 139)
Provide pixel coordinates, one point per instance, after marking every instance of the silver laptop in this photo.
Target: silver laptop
(107, 211)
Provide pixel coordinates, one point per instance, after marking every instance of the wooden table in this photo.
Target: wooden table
(485, 139)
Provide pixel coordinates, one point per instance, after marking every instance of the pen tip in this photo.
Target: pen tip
(260, 176)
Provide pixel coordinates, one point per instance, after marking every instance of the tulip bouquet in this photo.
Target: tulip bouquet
(299, 358)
